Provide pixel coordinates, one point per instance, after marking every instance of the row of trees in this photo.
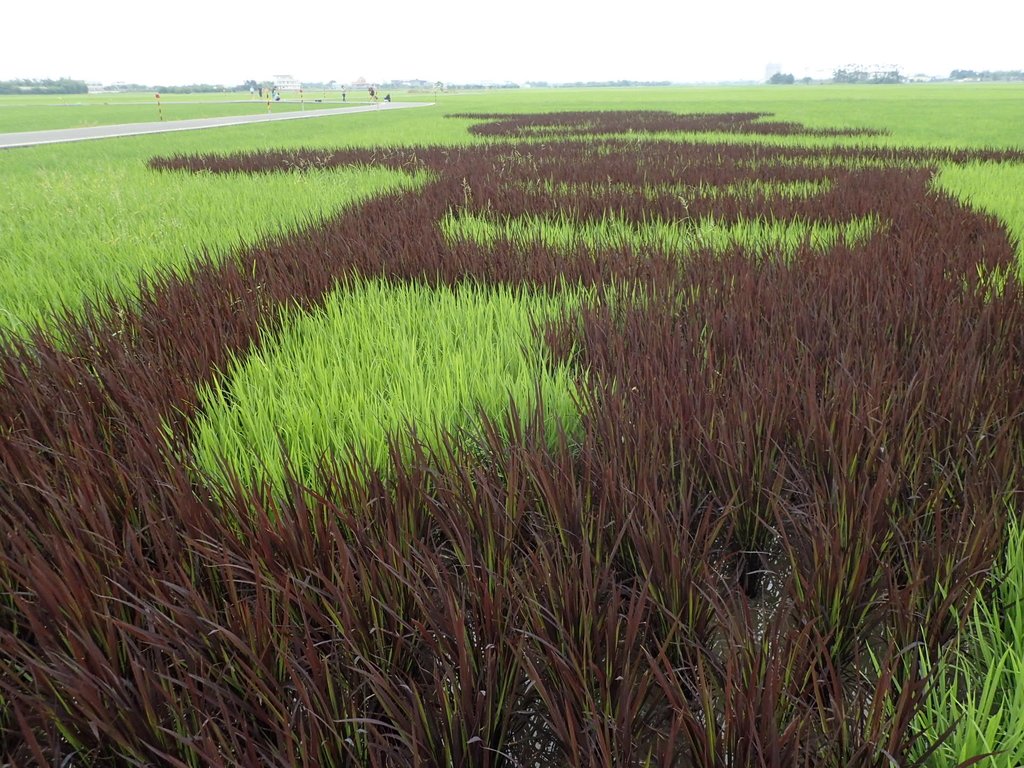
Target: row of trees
(43, 87)
(597, 84)
(194, 88)
(892, 75)
(866, 75)
(986, 75)
(845, 75)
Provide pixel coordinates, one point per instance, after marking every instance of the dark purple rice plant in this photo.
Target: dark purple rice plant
(791, 473)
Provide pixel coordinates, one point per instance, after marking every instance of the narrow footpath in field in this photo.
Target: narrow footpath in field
(31, 138)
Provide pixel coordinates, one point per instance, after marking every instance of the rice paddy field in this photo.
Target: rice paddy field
(39, 113)
(649, 427)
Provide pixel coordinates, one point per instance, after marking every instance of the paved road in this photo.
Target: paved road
(31, 138)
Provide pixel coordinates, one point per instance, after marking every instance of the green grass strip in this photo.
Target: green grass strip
(760, 236)
(376, 359)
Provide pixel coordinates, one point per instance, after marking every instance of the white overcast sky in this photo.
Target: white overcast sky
(188, 41)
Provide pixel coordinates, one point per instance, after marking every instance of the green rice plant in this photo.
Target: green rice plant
(55, 259)
(563, 233)
(377, 359)
(787, 190)
(994, 188)
(979, 690)
(793, 190)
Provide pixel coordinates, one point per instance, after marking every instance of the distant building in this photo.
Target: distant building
(286, 83)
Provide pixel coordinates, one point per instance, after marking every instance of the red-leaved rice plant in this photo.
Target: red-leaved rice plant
(792, 473)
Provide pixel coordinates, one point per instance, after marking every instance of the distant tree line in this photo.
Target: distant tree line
(43, 87)
(194, 88)
(986, 75)
(866, 75)
(479, 86)
(596, 83)
(782, 78)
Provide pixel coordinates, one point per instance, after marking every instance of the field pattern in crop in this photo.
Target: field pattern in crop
(796, 442)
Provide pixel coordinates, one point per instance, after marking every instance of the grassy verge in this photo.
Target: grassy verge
(49, 113)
